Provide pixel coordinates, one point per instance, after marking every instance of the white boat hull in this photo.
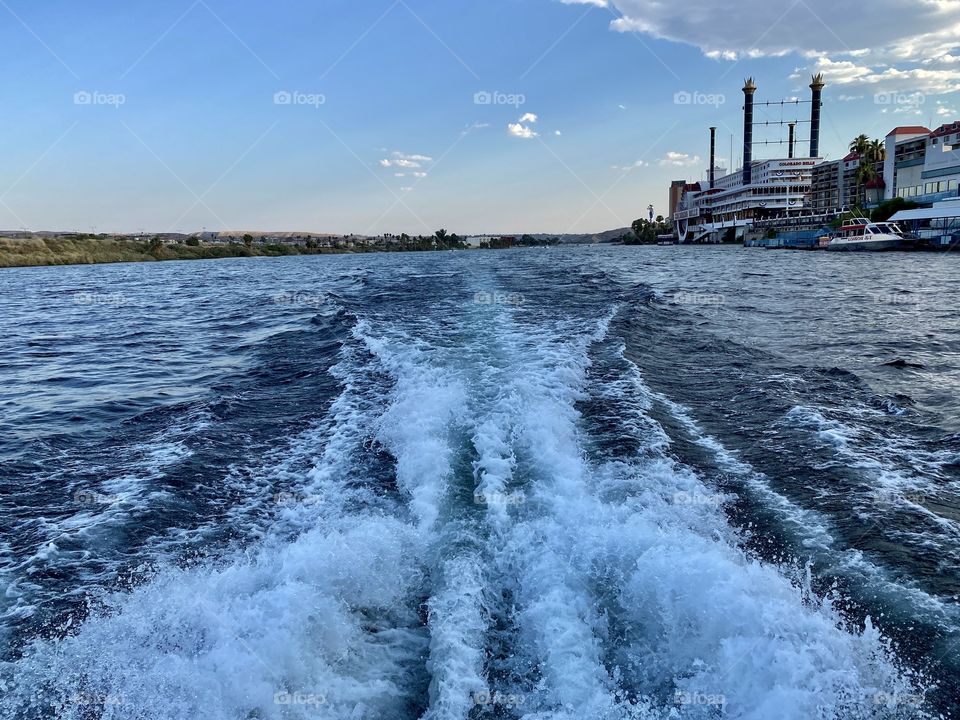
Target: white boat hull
(866, 245)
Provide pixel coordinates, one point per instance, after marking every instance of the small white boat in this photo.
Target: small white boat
(859, 234)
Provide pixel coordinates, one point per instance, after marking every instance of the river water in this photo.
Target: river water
(560, 483)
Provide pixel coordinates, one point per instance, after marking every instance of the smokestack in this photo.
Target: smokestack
(817, 87)
(748, 90)
(713, 154)
(792, 127)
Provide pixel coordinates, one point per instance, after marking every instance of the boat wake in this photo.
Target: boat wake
(475, 539)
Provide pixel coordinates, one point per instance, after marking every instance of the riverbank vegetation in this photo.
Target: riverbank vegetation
(91, 249)
(646, 232)
(26, 252)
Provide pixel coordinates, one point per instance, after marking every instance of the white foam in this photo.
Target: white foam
(646, 597)
(221, 642)
(328, 616)
(895, 474)
(458, 623)
(418, 427)
(814, 531)
(621, 596)
(808, 526)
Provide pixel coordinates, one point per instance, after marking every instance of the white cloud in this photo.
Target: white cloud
(518, 129)
(474, 126)
(557, 133)
(883, 78)
(679, 159)
(945, 111)
(760, 27)
(521, 131)
(636, 164)
(896, 45)
(402, 160)
(597, 3)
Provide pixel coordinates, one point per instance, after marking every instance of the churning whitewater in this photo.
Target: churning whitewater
(489, 514)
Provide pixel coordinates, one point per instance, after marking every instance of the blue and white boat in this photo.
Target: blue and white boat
(861, 235)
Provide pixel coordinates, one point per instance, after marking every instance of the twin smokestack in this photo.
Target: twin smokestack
(817, 87)
(749, 88)
(713, 154)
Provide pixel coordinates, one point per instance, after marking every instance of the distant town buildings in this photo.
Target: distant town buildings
(906, 148)
(834, 185)
(923, 166)
(912, 163)
(480, 240)
(920, 166)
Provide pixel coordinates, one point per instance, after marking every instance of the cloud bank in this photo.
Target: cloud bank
(887, 44)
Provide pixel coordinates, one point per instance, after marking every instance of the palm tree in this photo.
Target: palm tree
(860, 144)
(865, 173)
(870, 152)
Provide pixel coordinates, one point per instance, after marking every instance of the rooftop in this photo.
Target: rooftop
(946, 129)
(909, 130)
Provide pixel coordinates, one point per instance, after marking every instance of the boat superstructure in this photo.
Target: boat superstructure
(725, 205)
(777, 190)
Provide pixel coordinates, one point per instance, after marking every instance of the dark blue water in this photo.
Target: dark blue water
(550, 483)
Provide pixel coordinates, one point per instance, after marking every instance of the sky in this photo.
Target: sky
(480, 116)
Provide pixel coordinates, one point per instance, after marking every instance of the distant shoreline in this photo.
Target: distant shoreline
(48, 252)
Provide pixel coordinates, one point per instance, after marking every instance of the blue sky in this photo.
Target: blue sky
(411, 115)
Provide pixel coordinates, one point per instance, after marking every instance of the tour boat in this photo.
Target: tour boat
(862, 235)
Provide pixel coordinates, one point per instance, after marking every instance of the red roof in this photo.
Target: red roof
(947, 129)
(853, 155)
(909, 130)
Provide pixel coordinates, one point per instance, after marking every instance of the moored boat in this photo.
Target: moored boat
(859, 234)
